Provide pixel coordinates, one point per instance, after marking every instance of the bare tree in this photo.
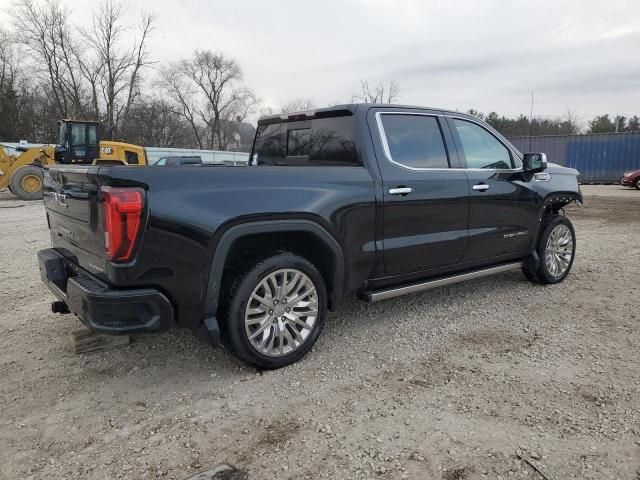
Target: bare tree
(234, 116)
(182, 97)
(115, 70)
(207, 90)
(218, 79)
(45, 29)
(152, 121)
(8, 65)
(571, 123)
(298, 105)
(476, 113)
(379, 93)
(8, 86)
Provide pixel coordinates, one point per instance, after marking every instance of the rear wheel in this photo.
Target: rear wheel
(275, 311)
(556, 251)
(26, 183)
(638, 183)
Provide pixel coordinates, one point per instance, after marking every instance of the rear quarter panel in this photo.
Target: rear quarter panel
(191, 208)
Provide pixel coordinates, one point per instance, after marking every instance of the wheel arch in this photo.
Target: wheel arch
(555, 201)
(551, 205)
(237, 233)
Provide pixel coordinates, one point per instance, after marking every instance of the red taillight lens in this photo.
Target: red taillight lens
(122, 211)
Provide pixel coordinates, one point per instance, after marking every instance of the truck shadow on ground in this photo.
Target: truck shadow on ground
(177, 355)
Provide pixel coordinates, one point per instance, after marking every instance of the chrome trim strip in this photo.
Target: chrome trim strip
(439, 282)
(387, 151)
(385, 144)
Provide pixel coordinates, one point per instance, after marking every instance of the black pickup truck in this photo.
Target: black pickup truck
(373, 200)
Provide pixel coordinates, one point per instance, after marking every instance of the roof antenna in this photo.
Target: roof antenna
(531, 122)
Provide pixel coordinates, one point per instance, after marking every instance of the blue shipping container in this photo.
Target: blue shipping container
(600, 158)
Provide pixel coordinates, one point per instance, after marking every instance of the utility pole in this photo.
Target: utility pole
(531, 122)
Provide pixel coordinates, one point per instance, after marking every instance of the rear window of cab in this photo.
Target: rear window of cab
(317, 142)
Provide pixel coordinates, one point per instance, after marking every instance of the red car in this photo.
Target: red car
(631, 179)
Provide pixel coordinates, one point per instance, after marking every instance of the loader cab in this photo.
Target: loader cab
(78, 142)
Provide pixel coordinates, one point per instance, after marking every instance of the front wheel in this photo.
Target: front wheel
(556, 251)
(275, 311)
(638, 183)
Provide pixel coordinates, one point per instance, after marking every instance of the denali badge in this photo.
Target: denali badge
(521, 233)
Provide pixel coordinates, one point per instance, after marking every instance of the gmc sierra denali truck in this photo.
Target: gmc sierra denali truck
(373, 200)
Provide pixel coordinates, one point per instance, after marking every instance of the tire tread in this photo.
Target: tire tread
(16, 178)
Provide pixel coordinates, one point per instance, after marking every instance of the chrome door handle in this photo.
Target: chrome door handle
(400, 191)
(481, 187)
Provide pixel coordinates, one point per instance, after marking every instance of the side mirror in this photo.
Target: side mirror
(534, 162)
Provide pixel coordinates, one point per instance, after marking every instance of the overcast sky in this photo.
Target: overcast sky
(582, 55)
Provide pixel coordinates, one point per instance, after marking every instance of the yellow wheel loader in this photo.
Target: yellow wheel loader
(78, 143)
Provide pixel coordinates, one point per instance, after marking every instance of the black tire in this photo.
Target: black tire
(232, 321)
(638, 183)
(540, 273)
(26, 183)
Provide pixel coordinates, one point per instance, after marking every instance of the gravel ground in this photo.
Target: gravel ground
(463, 382)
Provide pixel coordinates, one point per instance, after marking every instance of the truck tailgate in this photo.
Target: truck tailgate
(73, 213)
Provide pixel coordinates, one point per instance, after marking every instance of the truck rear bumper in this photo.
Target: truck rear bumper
(101, 307)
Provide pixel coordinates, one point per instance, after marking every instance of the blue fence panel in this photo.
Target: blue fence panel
(600, 158)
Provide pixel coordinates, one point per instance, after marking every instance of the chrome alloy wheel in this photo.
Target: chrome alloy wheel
(559, 250)
(281, 312)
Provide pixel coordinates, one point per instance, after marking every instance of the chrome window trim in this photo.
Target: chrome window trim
(387, 151)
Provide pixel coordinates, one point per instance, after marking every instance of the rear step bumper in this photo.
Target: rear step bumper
(99, 306)
(374, 296)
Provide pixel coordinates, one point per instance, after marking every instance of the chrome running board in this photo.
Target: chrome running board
(376, 295)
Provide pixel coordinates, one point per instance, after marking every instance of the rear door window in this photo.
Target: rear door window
(322, 141)
(414, 141)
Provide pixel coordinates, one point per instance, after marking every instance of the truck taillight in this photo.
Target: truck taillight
(122, 212)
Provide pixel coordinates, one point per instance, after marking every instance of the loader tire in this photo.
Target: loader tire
(26, 183)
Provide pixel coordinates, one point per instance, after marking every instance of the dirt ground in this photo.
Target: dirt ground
(463, 382)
